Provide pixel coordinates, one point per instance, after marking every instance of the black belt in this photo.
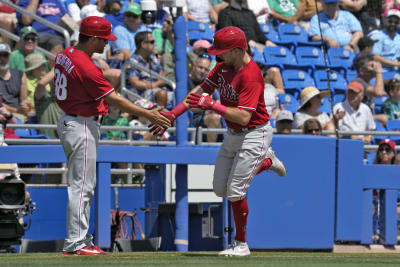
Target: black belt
(98, 118)
(243, 129)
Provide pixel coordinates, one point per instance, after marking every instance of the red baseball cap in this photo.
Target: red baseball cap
(355, 86)
(226, 39)
(389, 143)
(97, 27)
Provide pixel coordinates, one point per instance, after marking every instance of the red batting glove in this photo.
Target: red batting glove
(156, 130)
(205, 102)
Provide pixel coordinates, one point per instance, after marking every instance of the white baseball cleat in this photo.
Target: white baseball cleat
(237, 248)
(277, 166)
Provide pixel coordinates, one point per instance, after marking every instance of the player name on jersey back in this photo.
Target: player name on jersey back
(65, 62)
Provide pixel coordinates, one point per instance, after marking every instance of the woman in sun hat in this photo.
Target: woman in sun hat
(310, 103)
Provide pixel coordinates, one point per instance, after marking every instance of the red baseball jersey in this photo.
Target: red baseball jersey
(243, 89)
(80, 86)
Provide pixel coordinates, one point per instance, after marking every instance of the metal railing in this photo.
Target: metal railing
(16, 38)
(41, 20)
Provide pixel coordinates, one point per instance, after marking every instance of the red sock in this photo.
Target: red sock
(240, 212)
(265, 165)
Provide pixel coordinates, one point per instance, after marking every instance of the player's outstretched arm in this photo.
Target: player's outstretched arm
(125, 105)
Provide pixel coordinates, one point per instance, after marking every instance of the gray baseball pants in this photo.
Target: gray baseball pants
(238, 161)
(79, 137)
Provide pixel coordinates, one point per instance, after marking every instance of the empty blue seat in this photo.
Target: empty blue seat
(292, 33)
(338, 83)
(340, 58)
(196, 26)
(325, 105)
(288, 102)
(279, 56)
(337, 98)
(270, 32)
(295, 80)
(257, 56)
(351, 75)
(310, 56)
(379, 128)
(378, 102)
(394, 125)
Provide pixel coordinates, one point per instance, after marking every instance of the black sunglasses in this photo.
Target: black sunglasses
(131, 15)
(312, 130)
(4, 54)
(150, 42)
(27, 39)
(386, 149)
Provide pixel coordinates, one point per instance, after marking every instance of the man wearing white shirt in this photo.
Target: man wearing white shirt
(357, 115)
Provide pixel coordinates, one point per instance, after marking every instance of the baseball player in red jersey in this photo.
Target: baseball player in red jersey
(83, 94)
(246, 150)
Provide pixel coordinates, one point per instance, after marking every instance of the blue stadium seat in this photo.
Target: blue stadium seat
(257, 56)
(394, 125)
(295, 80)
(378, 102)
(270, 32)
(351, 75)
(196, 26)
(310, 56)
(325, 105)
(279, 56)
(379, 128)
(194, 36)
(338, 83)
(337, 98)
(293, 33)
(340, 58)
(288, 102)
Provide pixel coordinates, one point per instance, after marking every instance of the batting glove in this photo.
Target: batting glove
(205, 102)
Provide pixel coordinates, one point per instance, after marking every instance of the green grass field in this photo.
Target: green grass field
(306, 259)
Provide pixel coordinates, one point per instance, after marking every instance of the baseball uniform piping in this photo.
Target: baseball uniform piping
(84, 180)
(249, 108)
(254, 167)
(109, 92)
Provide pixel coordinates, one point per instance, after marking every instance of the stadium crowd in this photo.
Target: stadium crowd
(359, 38)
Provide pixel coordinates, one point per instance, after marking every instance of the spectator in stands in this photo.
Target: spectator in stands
(287, 11)
(355, 115)
(200, 49)
(367, 69)
(218, 5)
(312, 126)
(12, 84)
(201, 11)
(27, 45)
(35, 70)
(8, 21)
(165, 37)
(391, 107)
(204, 118)
(236, 14)
(260, 9)
(365, 45)
(310, 8)
(284, 122)
(90, 10)
(113, 11)
(168, 63)
(367, 12)
(387, 48)
(51, 10)
(310, 103)
(387, 153)
(74, 9)
(142, 82)
(47, 110)
(340, 28)
(271, 99)
(124, 47)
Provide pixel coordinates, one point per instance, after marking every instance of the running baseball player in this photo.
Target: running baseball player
(246, 149)
(83, 94)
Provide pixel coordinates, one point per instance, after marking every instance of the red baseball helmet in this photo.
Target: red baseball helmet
(226, 39)
(97, 27)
